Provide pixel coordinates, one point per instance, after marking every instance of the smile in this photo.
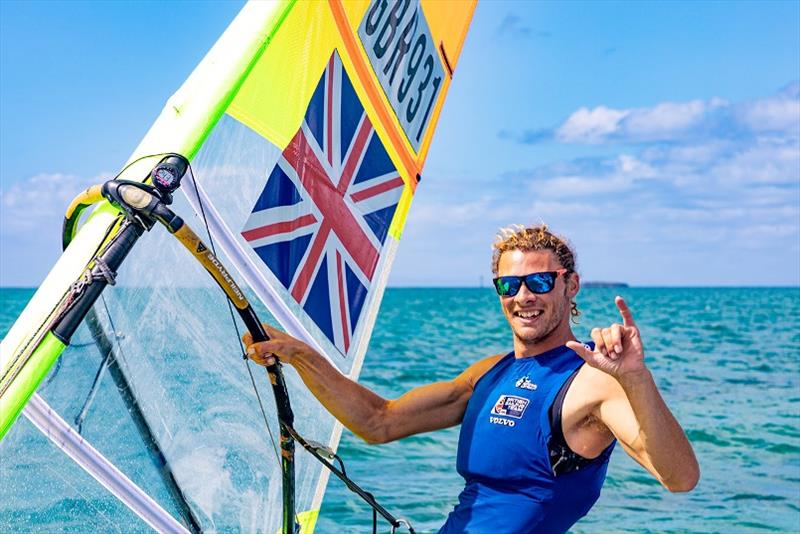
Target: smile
(528, 314)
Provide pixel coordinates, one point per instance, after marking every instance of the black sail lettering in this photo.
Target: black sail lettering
(413, 103)
(402, 46)
(398, 42)
(383, 40)
(436, 82)
(413, 64)
(375, 15)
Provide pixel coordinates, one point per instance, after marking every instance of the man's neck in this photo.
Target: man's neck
(556, 338)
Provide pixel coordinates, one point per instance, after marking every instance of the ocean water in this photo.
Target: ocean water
(727, 361)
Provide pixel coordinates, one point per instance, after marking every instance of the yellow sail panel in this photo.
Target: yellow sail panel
(449, 21)
(275, 96)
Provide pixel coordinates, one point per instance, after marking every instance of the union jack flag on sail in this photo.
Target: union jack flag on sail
(322, 218)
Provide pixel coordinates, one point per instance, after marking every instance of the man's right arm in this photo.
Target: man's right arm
(365, 413)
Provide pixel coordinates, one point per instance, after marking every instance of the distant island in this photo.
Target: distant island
(604, 284)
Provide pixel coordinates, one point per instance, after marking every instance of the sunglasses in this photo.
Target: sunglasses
(539, 283)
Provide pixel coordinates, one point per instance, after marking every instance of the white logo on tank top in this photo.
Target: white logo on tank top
(525, 383)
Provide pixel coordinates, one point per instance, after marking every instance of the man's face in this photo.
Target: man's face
(533, 317)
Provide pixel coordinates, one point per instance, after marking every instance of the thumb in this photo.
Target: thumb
(581, 350)
(272, 332)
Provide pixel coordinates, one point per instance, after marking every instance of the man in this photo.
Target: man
(555, 419)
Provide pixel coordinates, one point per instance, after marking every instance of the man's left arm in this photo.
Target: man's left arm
(632, 407)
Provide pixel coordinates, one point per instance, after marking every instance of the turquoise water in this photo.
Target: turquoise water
(727, 362)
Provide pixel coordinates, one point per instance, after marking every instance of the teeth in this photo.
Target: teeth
(529, 315)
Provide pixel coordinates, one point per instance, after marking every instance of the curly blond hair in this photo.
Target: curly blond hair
(531, 238)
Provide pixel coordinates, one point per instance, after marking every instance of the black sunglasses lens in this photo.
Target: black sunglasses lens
(507, 286)
(540, 282)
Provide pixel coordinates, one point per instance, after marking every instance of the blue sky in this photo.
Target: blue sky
(662, 138)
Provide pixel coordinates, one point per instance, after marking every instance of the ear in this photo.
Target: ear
(573, 285)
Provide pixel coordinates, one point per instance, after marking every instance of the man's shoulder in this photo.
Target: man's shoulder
(593, 386)
(474, 372)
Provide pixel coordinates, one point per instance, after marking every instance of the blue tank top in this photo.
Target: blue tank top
(504, 458)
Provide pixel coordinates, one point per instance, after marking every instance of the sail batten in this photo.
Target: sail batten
(93, 462)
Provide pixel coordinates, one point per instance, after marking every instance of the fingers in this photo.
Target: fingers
(608, 341)
(613, 339)
(624, 311)
(599, 342)
(279, 348)
(262, 353)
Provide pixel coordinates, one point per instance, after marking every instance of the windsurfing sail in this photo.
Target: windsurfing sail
(307, 126)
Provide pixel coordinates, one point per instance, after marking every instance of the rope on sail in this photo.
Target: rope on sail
(236, 326)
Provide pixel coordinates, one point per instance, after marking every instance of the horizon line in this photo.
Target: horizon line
(605, 285)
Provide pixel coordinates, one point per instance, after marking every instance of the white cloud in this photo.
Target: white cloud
(767, 161)
(553, 208)
(668, 119)
(38, 204)
(664, 121)
(616, 175)
(769, 196)
(769, 231)
(777, 113)
(31, 216)
(590, 125)
(443, 213)
(581, 186)
(706, 151)
(632, 166)
(681, 121)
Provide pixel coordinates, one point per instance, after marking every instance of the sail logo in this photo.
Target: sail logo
(322, 219)
(225, 276)
(510, 406)
(403, 56)
(525, 383)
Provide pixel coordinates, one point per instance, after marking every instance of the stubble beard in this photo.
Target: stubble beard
(552, 324)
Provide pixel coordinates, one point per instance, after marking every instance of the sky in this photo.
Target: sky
(663, 139)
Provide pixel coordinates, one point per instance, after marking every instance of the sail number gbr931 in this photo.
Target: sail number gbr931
(403, 55)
